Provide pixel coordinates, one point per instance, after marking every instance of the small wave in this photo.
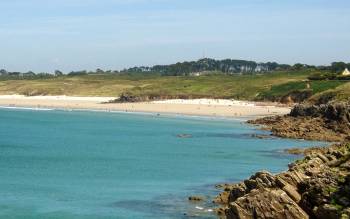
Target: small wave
(25, 108)
(204, 209)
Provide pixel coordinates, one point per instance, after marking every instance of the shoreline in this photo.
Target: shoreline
(140, 113)
(315, 186)
(233, 109)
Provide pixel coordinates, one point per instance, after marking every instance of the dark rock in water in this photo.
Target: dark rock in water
(302, 151)
(261, 136)
(184, 136)
(295, 151)
(196, 198)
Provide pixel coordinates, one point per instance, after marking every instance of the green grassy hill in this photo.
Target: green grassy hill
(268, 86)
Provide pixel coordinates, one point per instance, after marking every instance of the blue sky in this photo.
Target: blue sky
(44, 35)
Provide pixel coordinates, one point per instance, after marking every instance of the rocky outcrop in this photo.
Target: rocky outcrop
(265, 203)
(333, 112)
(296, 96)
(327, 122)
(292, 97)
(307, 128)
(316, 187)
(133, 98)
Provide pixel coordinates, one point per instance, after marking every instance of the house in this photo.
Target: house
(346, 72)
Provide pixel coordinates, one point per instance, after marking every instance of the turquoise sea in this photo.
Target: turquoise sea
(60, 164)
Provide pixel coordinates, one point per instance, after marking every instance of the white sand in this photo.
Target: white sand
(201, 107)
(214, 102)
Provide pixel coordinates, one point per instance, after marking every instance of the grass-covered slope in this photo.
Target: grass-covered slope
(298, 87)
(340, 93)
(216, 85)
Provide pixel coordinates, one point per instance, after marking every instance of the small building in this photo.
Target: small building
(346, 72)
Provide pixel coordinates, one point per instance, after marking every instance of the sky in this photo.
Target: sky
(45, 35)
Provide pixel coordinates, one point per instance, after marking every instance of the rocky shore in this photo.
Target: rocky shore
(317, 186)
(327, 122)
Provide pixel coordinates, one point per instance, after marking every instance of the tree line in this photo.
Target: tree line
(202, 66)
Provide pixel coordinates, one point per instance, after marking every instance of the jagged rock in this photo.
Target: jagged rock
(222, 198)
(289, 189)
(331, 111)
(237, 191)
(323, 158)
(317, 186)
(265, 203)
(305, 110)
(328, 122)
(220, 211)
(311, 187)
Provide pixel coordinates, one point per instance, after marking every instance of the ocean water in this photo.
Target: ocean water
(59, 164)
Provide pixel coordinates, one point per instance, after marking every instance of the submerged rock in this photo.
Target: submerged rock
(302, 151)
(184, 136)
(261, 136)
(196, 198)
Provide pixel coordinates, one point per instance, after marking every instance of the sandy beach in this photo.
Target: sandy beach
(200, 107)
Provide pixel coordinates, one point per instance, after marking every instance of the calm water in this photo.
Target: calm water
(56, 164)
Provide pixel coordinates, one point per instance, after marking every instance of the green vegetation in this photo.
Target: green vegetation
(340, 93)
(216, 85)
(88, 85)
(228, 78)
(286, 88)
